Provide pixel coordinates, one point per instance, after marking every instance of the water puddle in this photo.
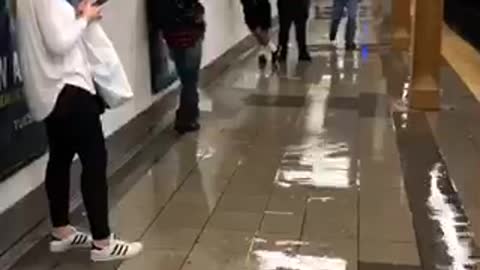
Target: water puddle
(276, 260)
(319, 165)
(204, 153)
(452, 221)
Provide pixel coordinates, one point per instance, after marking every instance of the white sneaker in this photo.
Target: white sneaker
(76, 240)
(116, 250)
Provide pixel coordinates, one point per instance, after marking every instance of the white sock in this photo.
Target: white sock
(272, 46)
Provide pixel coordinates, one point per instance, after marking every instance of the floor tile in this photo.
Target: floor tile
(236, 221)
(389, 252)
(242, 203)
(153, 260)
(177, 239)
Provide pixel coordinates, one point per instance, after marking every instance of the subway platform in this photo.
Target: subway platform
(313, 166)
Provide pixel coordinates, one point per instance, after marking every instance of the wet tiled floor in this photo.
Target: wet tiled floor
(309, 167)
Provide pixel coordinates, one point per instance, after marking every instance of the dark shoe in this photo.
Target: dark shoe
(305, 57)
(186, 128)
(262, 61)
(351, 47)
(282, 56)
(332, 37)
(275, 57)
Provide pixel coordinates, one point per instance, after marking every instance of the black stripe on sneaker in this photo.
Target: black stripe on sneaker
(84, 239)
(79, 239)
(75, 239)
(114, 251)
(119, 252)
(125, 251)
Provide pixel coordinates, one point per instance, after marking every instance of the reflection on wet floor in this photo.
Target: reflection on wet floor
(315, 165)
(280, 260)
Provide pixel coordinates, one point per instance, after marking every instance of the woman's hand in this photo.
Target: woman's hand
(86, 9)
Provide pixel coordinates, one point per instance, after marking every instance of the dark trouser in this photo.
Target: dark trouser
(293, 13)
(187, 62)
(257, 14)
(339, 7)
(74, 127)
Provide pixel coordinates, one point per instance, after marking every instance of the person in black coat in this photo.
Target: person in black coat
(258, 17)
(293, 12)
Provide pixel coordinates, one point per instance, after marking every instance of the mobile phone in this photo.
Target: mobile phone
(100, 2)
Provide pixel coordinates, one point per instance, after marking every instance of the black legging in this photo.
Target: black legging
(293, 12)
(74, 127)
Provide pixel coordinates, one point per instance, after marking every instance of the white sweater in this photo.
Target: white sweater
(51, 51)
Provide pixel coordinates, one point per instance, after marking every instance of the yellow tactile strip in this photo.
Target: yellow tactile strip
(463, 58)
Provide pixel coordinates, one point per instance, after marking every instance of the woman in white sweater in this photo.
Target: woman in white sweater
(60, 91)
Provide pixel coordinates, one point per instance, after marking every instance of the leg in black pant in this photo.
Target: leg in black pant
(301, 34)
(75, 128)
(57, 181)
(93, 156)
(284, 34)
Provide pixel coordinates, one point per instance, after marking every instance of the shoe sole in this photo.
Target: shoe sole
(111, 259)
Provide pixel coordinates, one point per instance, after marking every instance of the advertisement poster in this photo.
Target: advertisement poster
(21, 139)
(161, 65)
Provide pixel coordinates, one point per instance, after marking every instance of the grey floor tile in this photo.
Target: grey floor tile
(225, 239)
(294, 205)
(37, 258)
(331, 216)
(242, 203)
(217, 259)
(385, 215)
(235, 221)
(282, 223)
(389, 252)
(248, 187)
(77, 260)
(182, 216)
(154, 260)
(221, 249)
(176, 239)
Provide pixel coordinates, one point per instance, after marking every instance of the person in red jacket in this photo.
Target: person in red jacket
(258, 17)
(183, 26)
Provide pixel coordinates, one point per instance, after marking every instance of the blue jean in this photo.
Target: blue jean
(339, 7)
(187, 62)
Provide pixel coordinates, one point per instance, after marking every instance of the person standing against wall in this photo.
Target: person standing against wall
(182, 23)
(60, 91)
(258, 17)
(293, 12)
(339, 7)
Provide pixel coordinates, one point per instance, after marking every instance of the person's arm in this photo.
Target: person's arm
(59, 36)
